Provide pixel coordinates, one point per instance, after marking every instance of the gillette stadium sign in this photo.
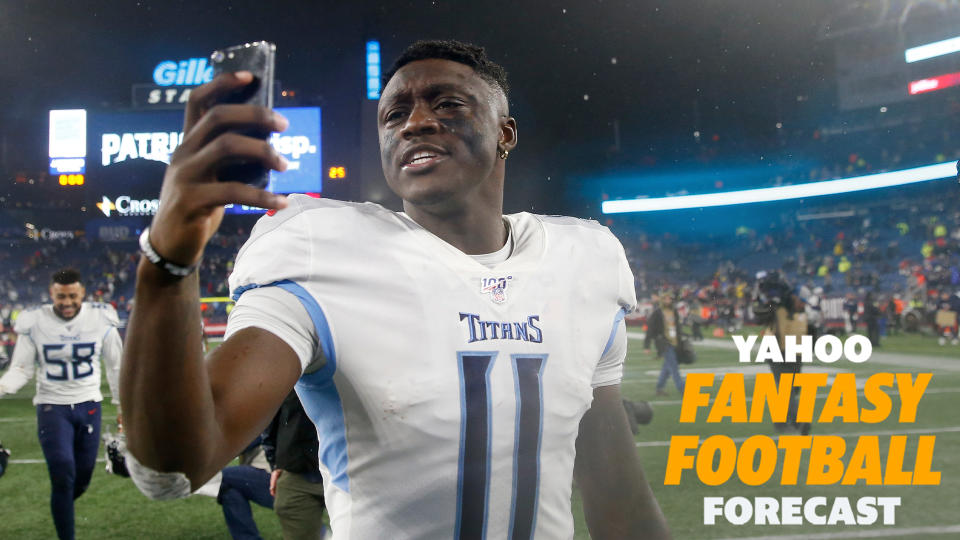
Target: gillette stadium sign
(191, 72)
(172, 82)
(125, 205)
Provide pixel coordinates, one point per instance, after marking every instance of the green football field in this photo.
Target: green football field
(113, 508)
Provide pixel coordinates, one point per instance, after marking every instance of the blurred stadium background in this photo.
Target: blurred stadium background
(779, 116)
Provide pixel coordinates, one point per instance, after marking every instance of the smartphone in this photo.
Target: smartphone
(257, 58)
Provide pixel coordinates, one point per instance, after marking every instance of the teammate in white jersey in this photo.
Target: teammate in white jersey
(62, 345)
(461, 366)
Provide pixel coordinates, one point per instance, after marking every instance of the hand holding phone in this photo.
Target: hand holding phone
(258, 58)
(224, 157)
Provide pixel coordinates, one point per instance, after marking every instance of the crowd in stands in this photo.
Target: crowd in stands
(902, 244)
(108, 269)
(905, 253)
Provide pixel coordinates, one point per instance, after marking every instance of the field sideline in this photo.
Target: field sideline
(113, 508)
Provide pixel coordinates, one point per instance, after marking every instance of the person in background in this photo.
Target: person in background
(4, 357)
(894, 306)
(664, 330)
(850, 310)
(648, 337)
(236, 486)
(781, 310)
(884, 318)
(813, 309)
(695, 318)
(290, 444)
(871, 316)
(67, 340)
(4, 459)
(239, 486)
(946, 318)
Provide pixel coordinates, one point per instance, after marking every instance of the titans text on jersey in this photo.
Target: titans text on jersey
(480, 330)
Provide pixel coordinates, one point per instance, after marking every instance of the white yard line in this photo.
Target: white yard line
(36, 461)
(906, 532)
(928, 431)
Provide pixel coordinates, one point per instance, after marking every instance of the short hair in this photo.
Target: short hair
(456, 51)
(65, 276)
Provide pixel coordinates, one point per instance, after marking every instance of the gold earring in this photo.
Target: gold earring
(502, 152)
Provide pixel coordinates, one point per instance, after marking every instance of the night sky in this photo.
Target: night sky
(659, 69)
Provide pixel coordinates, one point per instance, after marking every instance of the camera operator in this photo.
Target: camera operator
(781, 311)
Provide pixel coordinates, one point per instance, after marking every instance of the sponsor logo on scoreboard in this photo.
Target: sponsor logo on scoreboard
(125, 205)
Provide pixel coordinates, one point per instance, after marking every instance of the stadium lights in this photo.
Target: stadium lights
(932, 50)
(782, 193)
(373, 70)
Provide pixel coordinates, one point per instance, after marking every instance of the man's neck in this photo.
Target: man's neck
(474, 232)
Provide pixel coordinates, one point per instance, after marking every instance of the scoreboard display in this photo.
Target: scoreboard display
(883, 64)
(124, 154)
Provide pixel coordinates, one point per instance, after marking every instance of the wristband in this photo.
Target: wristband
(172, 268)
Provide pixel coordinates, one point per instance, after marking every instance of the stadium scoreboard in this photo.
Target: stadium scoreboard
(68, 141)
(121, 156)
(883, 65)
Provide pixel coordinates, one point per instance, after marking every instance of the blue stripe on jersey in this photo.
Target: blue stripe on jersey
(316, 390)
(319, 322)
(528, 387)
(245, 288)
(613, 331)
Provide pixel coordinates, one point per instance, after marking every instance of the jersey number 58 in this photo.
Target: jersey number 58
(76, 366)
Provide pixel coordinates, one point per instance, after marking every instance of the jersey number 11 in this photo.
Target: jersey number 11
(473, 480)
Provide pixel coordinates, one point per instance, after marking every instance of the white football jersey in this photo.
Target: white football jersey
(65, 355)
(447, 395)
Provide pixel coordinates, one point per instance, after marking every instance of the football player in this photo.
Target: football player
(63, 343)
(461, 365)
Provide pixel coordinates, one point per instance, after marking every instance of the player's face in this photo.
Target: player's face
(440, 125)
(67, 299)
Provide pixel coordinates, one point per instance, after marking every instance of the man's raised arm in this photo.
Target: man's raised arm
(184, 413)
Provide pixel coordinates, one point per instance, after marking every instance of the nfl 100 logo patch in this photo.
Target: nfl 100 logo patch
(496, 287)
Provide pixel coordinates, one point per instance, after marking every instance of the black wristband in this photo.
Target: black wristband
(172, 268)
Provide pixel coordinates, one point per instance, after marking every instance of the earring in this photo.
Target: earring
(502, 152)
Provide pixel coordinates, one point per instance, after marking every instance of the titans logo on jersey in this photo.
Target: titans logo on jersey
(440, 413)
